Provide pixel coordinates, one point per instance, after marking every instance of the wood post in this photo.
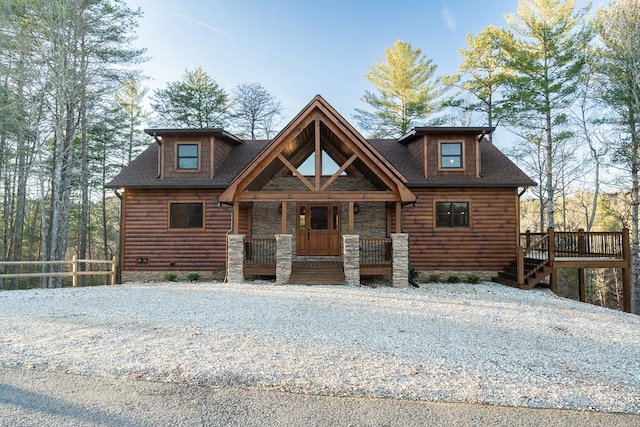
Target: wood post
(74, 271)
(626, 271)
(582, 294)
(113, 270)
(553, 278)
(284, 217)
(520, 266)
(351, 218)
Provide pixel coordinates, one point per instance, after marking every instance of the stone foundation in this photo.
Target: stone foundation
(159, 276)
(484, 275)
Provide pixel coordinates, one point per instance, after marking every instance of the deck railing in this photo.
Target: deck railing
(260, 255)
(576, 244)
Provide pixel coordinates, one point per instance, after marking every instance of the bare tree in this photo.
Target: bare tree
(255, 110)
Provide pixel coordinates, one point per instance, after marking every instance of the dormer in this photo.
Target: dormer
(446, 151)
(192, 153)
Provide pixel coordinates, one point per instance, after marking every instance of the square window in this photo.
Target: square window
(187, 156)
(452, 214)
(451, 155)
(186, 215)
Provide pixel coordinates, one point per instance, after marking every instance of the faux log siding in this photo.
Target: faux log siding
(489, 244)
(169, 157)
(146, 232)
(470, 153)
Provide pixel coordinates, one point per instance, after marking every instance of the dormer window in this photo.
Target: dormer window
(451, 155)
(187, 157)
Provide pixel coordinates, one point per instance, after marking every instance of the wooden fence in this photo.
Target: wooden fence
(72, 270)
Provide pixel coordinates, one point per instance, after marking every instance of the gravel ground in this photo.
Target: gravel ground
(483, 343)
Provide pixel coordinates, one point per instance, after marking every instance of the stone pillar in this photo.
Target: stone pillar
(284, 257)
(351, 256)
(235, 258)
(400, 275)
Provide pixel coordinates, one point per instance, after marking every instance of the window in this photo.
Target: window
(452, 214)
(451, 155)
(187, 156)
(186, 215)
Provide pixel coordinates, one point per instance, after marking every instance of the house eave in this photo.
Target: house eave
(217, 132)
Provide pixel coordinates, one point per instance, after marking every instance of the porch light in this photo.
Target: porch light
(280, 208)
(356, 207)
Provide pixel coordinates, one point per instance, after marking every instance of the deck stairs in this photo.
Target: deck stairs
(536, 271)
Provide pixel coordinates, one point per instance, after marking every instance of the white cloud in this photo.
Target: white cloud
(449, 18)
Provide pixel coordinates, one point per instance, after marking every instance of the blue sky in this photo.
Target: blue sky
(297, 49)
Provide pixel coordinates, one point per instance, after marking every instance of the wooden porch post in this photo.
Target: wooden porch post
(398, 217)
(284, 217)
(236, 217)
(351, 219)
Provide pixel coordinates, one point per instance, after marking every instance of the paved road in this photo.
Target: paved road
(29, 398)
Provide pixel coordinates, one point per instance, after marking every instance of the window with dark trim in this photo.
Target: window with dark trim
(186, 215)
(451, 155)
(187, 156)
(452, 214)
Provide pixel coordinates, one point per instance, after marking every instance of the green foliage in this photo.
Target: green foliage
(407, 92)
(197, 101)
(171, 277)
(434, 278)
(193, 277)
(453, 279)
(481, 73)
(472, 278)
(413, 273)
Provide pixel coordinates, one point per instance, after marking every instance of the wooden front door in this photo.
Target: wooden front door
(318, 229)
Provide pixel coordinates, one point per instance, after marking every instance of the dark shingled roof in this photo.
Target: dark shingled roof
(496, 169)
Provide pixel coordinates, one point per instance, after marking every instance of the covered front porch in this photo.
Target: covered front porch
(387, 257)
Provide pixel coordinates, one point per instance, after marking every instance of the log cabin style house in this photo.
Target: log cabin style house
(319, 203)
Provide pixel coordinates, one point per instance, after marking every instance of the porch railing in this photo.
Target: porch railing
(260, 256)
(376, 256)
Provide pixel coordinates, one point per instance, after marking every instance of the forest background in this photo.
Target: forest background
(563, 80)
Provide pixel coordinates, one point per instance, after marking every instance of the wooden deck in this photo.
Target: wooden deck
(541, 255)
(317, 273)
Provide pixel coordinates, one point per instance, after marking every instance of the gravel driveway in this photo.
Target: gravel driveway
(483, 343)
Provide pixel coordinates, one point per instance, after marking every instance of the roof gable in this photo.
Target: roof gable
(317, 128)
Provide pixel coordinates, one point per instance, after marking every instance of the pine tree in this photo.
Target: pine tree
(197, 101)
(408, 93)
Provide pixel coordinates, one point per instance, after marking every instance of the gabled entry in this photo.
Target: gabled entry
(318, 129)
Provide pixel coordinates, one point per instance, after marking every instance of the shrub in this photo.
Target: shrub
(413, 274)
(453, 279)
(472, 278)
(434, 278)
(193, 277)
(170, 277)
